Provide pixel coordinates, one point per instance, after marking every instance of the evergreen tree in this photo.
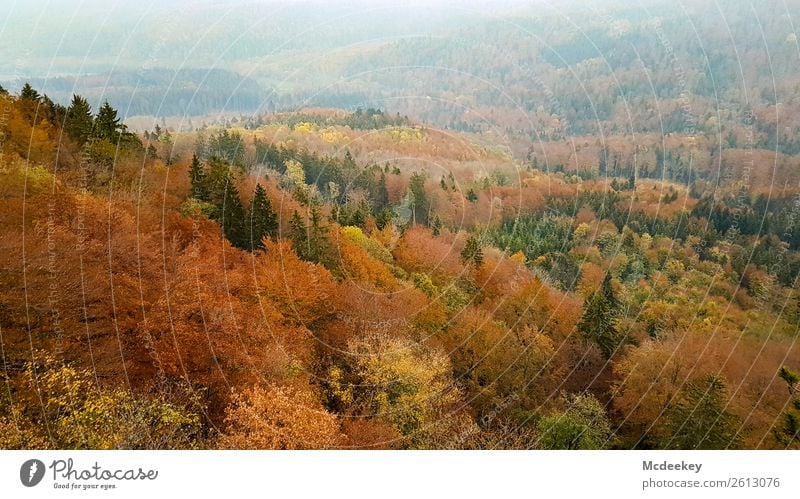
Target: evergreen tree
(382, 197)
(263, 220)
(788, 434)
(228, 209)
(419, 200)
(107, 124)
(232, 218)
(197, 176)
(471, 196)
(28, 93)
(298, 232)
(3, 91)
(699, 420)
(79, 120)
(436, 226)
(472, 252)
(599, 320)
(55, 112)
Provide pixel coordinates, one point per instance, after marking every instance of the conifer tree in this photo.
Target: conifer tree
(106, 123)
(700, 421)
(28, 93)
(382, 198)
(197, 176)
(599, 320)
(298, 232)
(79, 120)
(472, 252)
(263, 220)
(436, 226)
(232, 217)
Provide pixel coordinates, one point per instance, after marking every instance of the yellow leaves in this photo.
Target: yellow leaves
(402, 382)
(295, 172)
(278, 418)
(404, 134)
(332, 136)
(305, 127)
(518, 257)
(78, 414)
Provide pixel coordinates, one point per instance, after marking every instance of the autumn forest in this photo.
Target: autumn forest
(601, 252)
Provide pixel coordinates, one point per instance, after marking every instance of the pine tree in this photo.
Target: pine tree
(232, 218)
(106, 123)
(28, 93)
(197, 176)
(228, 209)
(382, 198)
(788, 433)
(263, 220)
(472, 252)
(419, 200)
(79, 120)
(700, 421)
(298, 232)
(436, 226)
(55, 112)
(599, 320)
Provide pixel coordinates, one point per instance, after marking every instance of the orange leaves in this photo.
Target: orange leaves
(278, 418)
(419, 251)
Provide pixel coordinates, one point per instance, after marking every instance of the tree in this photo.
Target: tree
(699, 420)
(107, 124)
(263, 220)
(471, 196)
(788, 434)
(79, 120)
(232, 217)
(436, 226)
(28, 93)
(197, 177)
(298, 232)
(472, 252)
(599, 320)
(278, 418)
(382, 197)
(583, 425)
(419, 199)
(228, 211)
(398, 381)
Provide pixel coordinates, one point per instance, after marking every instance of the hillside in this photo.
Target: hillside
(329, 278)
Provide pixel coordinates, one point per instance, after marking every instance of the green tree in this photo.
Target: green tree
(788, 434)
(228, 209)
(419, 199)
(472, 252)
(28, 93)
(107, 124)
(436, 226)
(197, 177)
(583, 425)
(79, 120)
(263, 220)
(298, 232)
(699, 419)
(599, 320)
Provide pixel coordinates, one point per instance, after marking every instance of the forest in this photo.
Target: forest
(359, 279)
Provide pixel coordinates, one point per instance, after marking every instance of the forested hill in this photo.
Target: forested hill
(542, 72)
(361, 280)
